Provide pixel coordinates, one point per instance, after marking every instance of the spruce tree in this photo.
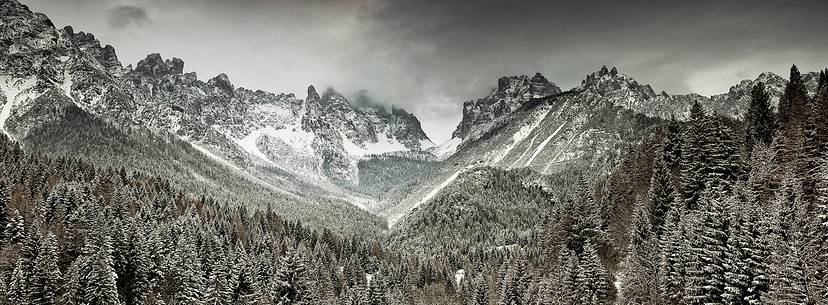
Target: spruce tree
(737, 273)
(641, 274)
(787, 276)
(793, 101)
(289, 283)
(792, 118)
(675, 257)
(5, 200)
(481, 291)
(591, 279)
(219, 290)
(661, 195)
(723, 158)
(46, 278)
(376, 291)
(759, 118)
(694, 157)
(706, 281)
(188, 273)
(97, 268)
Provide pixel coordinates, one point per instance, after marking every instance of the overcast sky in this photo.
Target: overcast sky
(430, 56)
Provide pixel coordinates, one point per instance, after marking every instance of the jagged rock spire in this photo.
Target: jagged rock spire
(155, 65)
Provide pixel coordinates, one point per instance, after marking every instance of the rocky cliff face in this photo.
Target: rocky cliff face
(512, 92)
(45, 70)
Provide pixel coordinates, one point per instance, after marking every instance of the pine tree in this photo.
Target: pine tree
(661, 195)
(5, 200)
(188, 272)
(641, 274)
(759, 119)
(694, 157)
(591, 278)
(706, 281)
(376, 291)
(46, 278)
(97, 269)
(793, 101)
(481, 291)
(219, 291)
(675, 258)
(289, 283)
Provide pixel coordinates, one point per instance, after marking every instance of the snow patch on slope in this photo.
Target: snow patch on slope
(521, 134)
(448, 148)
(542, 145)
(13, 89)
(292, 135)
(383, 145)
(229, 164)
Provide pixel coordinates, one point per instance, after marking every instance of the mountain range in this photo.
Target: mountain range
(324, 144)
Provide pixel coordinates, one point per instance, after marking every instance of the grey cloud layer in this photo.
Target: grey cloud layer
(125, 15)
(429, 56)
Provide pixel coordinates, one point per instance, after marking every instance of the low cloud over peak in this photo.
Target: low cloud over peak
(124, 16)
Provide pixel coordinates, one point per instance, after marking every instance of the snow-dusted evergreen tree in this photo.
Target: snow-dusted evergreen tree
(723, 155)
(694, 157)
(46, 278)
(97, 267)
(219, 290)
(792, 104)
(788, 283)
(189, 276)
(673, 143)
(738, 276)
(661, 195)
(641, 274)
(759, 118)
(592, 282)
(675, 249)
(515, 284)
(5, 200)
(376, 291)
(289, 284)
(17, 291)
(480, 295)
(563, 287)
(706, 282)
(15, 229)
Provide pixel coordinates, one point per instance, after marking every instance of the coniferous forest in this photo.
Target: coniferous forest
(146, 185)
(707, 211)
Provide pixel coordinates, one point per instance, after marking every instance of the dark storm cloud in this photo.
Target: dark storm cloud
(429, 56)
(122, 16)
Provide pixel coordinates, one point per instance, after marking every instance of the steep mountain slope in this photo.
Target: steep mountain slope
(298, 146)
(583, 131)
(484, 209)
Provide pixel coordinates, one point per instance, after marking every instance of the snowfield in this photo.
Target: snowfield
(14, 90)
